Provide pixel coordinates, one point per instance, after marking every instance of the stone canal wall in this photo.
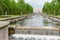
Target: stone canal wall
(56, 19)
(4, 34)
(40, 31)
(4, 30)
(12, 20)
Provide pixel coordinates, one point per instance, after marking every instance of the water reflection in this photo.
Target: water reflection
(37, 21)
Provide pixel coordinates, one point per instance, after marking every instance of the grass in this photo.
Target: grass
(3, 17)
(55, 15)
(58, 16)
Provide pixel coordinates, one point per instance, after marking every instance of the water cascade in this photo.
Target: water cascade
(33, 37)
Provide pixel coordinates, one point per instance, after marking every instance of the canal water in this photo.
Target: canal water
(36, 20)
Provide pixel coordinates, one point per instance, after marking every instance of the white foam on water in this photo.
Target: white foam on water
(36, 37)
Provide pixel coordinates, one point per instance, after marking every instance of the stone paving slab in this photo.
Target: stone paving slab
(3, 23)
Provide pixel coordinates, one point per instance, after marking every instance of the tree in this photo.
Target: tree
(52, 8)
(11, 7)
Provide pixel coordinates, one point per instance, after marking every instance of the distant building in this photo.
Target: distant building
(37, 10)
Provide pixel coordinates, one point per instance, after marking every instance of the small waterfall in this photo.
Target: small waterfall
(33, 37)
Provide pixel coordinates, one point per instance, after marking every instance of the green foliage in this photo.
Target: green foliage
(11, 7)
(52, 8)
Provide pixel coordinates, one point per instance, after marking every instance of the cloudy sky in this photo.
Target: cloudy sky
(37, 3)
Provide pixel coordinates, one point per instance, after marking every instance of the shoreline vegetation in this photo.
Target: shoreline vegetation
(52, 8)
(4, 17)
(11, 9)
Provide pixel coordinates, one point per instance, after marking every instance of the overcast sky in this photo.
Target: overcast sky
(37, 3)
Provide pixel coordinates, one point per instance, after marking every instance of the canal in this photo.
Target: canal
(36, 20)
